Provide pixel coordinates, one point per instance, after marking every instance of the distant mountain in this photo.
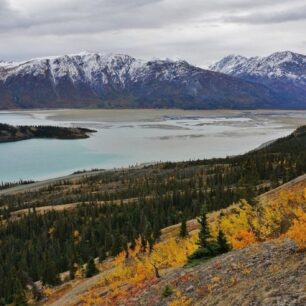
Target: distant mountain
(283, 72)
(115, 80)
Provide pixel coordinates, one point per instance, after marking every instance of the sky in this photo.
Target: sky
(199, 31)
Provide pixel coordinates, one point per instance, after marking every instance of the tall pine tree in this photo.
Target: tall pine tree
(91, 268)
(223, 245)
(204, 234)
(183, 229)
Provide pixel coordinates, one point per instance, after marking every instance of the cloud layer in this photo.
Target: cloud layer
(196, 30)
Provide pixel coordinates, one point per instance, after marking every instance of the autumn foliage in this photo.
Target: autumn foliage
(138, 270)
(280, 216)
(243, 224)
(297, 231)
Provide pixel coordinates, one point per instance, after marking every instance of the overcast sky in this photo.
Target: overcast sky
(200, 31)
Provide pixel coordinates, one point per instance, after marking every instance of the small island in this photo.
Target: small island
(10, 133)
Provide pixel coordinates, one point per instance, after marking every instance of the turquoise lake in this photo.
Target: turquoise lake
(129, 137)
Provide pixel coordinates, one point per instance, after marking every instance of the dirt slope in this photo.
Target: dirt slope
(271, 273)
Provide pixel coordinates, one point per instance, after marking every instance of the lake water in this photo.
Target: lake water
(129, 137)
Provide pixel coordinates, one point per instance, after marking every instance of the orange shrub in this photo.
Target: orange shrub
(297, 231)
(242, 238)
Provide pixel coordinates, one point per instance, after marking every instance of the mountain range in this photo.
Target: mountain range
(283, 72)
(121, 81)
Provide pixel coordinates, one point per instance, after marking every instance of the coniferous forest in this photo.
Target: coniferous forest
(48, 231)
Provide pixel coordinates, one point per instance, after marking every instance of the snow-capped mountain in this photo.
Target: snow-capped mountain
(283, 72)
(117, 80)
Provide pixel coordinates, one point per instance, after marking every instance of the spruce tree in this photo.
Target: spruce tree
(183, 230)
(204, 234)
(149, 237)
(20, 297)
(143, 243)
(223, 245)
(207, 247)
(50, 274)
(91, 268)
(72, 270)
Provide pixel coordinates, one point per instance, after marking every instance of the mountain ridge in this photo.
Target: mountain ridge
(120, 81)
(282, 72)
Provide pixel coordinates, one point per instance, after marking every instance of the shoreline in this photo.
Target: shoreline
(83, 173)
(290, 121)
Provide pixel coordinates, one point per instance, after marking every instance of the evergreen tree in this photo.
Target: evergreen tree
(143, 243)
(20, 297)
(183, 229)
(72, 270)
(91, 268)
(204, 234)
(50, 274)
(207, 247)
(149, 237)
(223, 245)
(102, 254)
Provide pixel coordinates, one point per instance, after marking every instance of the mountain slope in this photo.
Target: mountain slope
(283, 72)
(258, 273)
(264, 274)
(114, 80)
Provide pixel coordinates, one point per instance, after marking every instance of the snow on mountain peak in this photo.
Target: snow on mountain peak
(96, 68)
(284, 64)
(228, 63)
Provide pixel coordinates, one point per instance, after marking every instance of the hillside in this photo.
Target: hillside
(119, 81)
(270, 273)
(283, 72)
(10, 133)
(258, 273)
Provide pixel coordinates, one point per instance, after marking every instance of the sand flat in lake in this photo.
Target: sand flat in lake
(284, 117)
(130, 115)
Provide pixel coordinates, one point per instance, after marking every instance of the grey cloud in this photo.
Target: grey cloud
(289, 15)
(200, 31)
(76, 16)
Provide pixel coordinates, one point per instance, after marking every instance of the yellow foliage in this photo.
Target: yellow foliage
(304, 194)
(139, 267)
(182, 301)
(244, 224)
(47, 291)
(238, 218)
(76, 234)
(297, 231)
(51, 232)
(80, 271)
(174, 252)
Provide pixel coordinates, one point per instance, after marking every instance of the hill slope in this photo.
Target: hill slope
(115, 80)
(262, 273)
(282, 72)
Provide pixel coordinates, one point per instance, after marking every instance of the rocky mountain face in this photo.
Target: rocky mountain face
(114, 80)
(283, 72)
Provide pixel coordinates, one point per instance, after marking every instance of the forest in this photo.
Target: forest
(54, 229)
(10, 133)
